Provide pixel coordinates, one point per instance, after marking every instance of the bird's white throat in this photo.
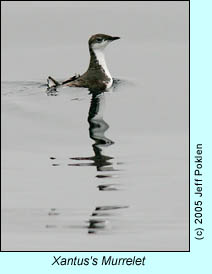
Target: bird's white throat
(101, 59)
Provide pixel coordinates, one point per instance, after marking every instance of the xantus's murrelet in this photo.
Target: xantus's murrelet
(97, 76)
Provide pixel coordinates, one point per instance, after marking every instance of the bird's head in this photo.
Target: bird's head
(100, 41)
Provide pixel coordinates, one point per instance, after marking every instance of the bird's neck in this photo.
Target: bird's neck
(97, 61)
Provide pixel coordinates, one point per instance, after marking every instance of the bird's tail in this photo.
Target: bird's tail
(51, 82)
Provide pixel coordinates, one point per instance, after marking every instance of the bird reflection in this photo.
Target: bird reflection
(99, 220)
(97, 129)
(102, 222)
(100, 217)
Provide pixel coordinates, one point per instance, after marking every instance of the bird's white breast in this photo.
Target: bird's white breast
(101, 59)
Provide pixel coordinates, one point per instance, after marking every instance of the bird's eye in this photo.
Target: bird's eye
(99, 40)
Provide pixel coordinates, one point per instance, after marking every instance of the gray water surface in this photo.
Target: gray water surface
(107, 171)
(104, 164)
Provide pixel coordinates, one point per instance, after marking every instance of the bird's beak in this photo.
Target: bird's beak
(114, 38)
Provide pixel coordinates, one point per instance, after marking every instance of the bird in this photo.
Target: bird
(97, 77)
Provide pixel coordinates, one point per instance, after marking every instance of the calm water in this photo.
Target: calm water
(87, 171)
(105, 171)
